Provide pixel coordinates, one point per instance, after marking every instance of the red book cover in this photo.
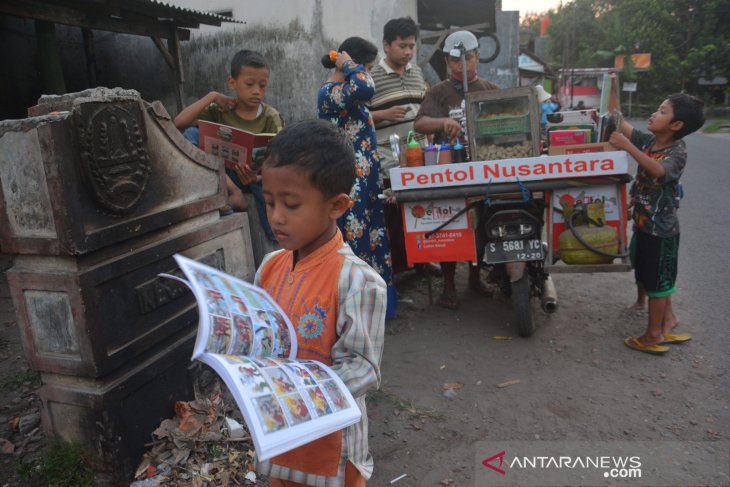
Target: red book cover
(235, 146)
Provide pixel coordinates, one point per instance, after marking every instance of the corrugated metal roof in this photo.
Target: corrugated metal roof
(199, 15)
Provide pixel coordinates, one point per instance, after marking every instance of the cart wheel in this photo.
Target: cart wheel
(522, 306)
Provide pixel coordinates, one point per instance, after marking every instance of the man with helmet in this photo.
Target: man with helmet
(443, 114)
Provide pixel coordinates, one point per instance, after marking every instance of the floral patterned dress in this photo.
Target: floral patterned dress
(363, 225)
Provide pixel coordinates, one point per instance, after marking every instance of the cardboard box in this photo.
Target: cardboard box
(581, 148)
(569, 137)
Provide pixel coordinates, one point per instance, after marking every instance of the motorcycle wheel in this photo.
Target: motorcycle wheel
(521, 306)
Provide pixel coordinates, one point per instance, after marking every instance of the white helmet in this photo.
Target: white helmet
(461, 39)
(542, 95)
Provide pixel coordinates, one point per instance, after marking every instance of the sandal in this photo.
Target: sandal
(676, 338)
(448, 300)
(656, 349)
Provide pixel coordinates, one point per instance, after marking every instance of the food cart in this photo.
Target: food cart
(436, 200)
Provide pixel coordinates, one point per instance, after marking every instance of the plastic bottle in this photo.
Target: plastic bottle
(444, 154)
(430, 154)
(414, 153)
(459, 152)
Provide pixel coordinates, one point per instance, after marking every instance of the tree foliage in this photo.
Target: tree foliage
(687, 39)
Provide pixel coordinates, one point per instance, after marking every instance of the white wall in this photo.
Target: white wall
(340, 19)
(291, 34)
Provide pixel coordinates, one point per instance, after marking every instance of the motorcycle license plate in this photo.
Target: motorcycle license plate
(513, 251)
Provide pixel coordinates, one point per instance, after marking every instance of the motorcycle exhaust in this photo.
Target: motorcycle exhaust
(549, 298)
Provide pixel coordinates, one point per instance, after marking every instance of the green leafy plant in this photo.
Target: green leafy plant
(403, 404)
(62, 465)
(16, 381)
(715, 125)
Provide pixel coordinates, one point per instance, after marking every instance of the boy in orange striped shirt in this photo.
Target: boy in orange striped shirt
(335, 301)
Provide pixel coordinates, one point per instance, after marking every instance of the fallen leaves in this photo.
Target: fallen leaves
(6, 447)
(452, 385)
(508, 383)
(199, 447)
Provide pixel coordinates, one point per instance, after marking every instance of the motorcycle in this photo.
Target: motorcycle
(509, 235)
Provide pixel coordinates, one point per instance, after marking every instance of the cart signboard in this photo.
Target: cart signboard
(564, 166)
(454, 242)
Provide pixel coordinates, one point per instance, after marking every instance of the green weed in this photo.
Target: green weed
(62, 465)
(16, 381)
(715, 125)
(403, 404)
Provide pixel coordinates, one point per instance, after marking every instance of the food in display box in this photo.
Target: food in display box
(495, 152)
(503, 124)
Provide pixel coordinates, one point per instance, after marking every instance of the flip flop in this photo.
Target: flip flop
(448, 300)
(481, 289)
(657, 349)
(676, 338)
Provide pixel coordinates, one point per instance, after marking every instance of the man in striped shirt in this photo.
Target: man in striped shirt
(399, 91)
(399, 88)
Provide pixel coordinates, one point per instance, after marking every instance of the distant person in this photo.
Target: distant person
(399, 88)
(547, 107)
(335, 300)
(443, 114)
(399, 91)
(557, 106)
(342, 100)
(248, 79)
(580, 105)
(661, 156)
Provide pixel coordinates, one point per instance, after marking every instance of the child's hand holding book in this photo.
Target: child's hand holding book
(245, 173)
(224, 102)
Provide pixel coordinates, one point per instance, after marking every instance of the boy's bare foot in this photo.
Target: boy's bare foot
(668, 327)
(637, 306)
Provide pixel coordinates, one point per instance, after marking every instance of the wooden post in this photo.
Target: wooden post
(90, 51)
(49, 59)
(174, 47)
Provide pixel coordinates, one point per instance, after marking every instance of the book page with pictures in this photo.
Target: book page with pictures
(286, 403)
(236, 318)
(249, 341)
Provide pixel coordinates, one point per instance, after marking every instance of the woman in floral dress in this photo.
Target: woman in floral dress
(341, 100)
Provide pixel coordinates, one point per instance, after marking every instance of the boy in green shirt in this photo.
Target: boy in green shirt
(249, 79)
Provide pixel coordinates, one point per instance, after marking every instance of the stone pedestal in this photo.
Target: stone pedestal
(94, 201)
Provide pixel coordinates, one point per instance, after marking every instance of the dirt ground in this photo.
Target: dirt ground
(577, 381)
(20, 406)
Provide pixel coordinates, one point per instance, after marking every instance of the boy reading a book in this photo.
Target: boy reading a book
(248, 80)
(335, 301)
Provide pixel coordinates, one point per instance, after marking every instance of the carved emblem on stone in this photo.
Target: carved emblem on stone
(113, 153)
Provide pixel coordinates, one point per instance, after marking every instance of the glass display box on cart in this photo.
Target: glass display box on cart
(503, 124)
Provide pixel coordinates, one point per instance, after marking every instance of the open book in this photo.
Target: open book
(235, 146)
(250, 342)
